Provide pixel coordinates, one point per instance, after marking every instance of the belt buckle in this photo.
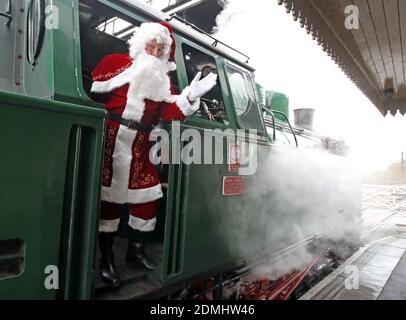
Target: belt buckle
(130, 122)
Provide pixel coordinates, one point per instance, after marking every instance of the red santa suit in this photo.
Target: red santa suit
(128, 174)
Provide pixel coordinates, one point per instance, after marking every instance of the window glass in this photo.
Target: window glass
(243, 94)
(212, 103)
(35, 29)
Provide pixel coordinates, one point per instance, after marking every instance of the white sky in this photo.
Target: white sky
(288, 60)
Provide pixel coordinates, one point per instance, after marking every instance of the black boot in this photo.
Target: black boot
(136, 250)
(108, 269)
(136, 254)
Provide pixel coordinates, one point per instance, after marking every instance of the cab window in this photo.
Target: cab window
(212, 103)
(243, 94)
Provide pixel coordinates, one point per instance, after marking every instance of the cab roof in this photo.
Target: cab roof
(182, 28)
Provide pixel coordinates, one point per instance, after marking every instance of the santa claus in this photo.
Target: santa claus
(136, 90)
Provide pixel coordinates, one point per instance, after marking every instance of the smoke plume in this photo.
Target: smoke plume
(295, 194)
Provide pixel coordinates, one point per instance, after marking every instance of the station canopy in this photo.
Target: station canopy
(366, 38)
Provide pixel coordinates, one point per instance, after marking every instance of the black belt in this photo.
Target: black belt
(130, 124)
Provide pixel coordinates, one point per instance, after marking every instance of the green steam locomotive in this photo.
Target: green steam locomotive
(51, 160)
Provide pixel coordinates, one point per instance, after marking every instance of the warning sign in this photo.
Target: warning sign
(233, 185)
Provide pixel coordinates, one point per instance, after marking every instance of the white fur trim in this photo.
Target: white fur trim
(146, 32)
(171, 66)
(141, 224)
(184, 105)
(132, 195)
(135, 106)
(108, 225)
(145, 195)
(171, 99)
(113, 83)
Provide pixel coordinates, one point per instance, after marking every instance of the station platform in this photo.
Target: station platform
(377, 271)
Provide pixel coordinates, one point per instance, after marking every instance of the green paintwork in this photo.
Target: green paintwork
(50, 190)
(207, 232)
(279, 102)
(35, 202)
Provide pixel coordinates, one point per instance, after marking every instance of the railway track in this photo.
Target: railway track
(391, 198)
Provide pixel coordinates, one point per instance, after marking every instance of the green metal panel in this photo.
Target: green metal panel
(65, 52)
(279, 102)
(50, 182)
(205, 231)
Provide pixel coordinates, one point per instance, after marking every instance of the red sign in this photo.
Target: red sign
(234, 156)
(233, 185)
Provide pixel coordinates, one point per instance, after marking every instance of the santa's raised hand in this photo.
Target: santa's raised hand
(199, 88)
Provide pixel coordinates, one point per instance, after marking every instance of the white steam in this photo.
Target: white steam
(296, 194)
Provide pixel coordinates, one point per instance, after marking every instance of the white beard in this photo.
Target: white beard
(150, 78)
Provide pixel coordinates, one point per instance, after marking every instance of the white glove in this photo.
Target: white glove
(199, 87)
(185, 105)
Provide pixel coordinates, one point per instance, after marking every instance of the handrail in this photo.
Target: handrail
(216, 41)
(272, 112)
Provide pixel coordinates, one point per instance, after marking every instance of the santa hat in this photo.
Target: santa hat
(162, 33)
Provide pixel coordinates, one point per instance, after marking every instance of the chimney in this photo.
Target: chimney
(304, 118)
